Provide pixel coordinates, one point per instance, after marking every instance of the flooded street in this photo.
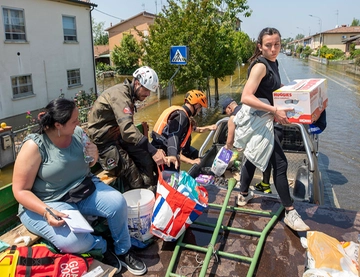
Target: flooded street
(339, 146)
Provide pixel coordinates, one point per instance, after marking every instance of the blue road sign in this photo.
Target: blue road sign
(178, 55)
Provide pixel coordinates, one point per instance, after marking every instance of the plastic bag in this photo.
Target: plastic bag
(329, 255)
(177, 209)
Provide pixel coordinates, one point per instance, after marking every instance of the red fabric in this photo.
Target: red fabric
(174, 212)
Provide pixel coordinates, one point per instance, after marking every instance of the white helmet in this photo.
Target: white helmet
(147, 77)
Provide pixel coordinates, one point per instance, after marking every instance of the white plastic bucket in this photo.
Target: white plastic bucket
(140, 204)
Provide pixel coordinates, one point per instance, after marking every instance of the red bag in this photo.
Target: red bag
(173, 211)
(40, 261)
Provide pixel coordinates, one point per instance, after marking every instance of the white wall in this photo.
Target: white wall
(45, 55)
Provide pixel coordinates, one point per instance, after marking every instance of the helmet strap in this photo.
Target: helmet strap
(193, 112)
(135, 93)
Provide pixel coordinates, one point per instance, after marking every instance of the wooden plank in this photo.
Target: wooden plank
(17, 232)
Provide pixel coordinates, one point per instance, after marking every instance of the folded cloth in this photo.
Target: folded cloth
(254, 132)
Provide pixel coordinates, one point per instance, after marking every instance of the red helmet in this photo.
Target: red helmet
(196, 97)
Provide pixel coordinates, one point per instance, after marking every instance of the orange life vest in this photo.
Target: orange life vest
(163, 121)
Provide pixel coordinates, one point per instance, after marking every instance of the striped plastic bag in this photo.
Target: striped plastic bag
(173, 211)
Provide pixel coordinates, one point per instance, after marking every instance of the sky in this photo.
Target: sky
(289, 17)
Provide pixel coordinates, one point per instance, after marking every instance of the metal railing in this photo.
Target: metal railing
(19, 134)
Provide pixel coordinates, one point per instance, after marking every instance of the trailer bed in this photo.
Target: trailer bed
(282, 255)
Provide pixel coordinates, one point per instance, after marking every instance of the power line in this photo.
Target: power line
(108, 14)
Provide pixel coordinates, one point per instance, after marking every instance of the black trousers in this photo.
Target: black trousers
(279, 164)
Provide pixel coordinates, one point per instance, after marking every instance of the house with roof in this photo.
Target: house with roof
(102, 54)
(141, 21)
(334, 38)
(46, 50)
(349, 41)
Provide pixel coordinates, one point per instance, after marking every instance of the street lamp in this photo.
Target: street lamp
(320, 23)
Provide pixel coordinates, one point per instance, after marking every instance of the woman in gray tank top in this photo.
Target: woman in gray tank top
(51, 175)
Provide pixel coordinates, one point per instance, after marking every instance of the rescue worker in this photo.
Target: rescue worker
(173, 129)
(123, 149)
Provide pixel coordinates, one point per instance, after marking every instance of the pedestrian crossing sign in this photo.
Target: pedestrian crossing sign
(178, 55)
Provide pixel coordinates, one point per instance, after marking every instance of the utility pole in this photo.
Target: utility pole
(337, 18)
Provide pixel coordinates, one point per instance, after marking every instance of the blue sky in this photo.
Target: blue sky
(288, 16)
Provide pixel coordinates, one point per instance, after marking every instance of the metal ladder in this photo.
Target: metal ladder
(210, 251)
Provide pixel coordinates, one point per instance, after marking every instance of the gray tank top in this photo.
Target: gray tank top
(61, 169)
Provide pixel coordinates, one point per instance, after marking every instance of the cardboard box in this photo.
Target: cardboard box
(308, 98)
(107, 270)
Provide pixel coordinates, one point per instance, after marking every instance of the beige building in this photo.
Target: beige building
(333, 38)
(141, 21)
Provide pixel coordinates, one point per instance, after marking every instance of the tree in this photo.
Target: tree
(99, 35)
(207, 28)
(285, 42)
(355, 22)
(126, 57)
(244, 46)
(299, 36)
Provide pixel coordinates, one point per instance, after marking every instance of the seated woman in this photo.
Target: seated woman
(49, 168)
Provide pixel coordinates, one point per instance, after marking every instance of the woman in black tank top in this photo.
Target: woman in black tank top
(263, 79)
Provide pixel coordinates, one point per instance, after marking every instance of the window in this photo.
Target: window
(69, 26)
(21, 86)
(73, 77)
(14, 23)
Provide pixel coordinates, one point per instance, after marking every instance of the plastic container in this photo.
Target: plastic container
(140, 204)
